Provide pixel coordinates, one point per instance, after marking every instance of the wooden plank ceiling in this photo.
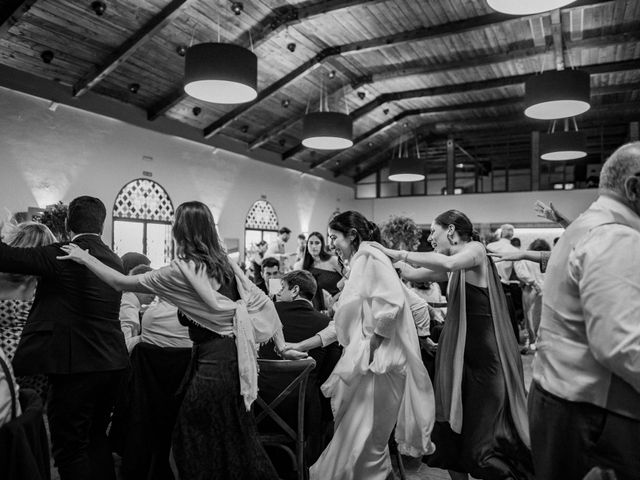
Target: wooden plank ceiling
(399, 67)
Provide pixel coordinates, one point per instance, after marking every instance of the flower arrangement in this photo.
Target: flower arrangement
(54, 217)
(401, 233)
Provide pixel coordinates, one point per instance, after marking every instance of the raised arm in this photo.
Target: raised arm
(470, 256)
(113, 278)
(421, 274)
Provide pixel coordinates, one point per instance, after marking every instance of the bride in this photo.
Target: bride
(380, 381)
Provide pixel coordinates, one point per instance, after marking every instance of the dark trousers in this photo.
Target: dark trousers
(79, 409)
(568, 438)
(512, 311)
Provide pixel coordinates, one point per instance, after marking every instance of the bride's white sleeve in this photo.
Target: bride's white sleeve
(328, 335)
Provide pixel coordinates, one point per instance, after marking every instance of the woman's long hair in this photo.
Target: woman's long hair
(354, 222)
(307, 262)
(28, 235)
(463, 225)
(194, 231)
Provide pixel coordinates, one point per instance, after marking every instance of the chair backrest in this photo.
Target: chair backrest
(298, 373)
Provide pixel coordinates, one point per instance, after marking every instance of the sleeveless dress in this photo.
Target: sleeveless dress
(488, 446)
(327, 280)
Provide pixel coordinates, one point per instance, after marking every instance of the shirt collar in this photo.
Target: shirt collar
(83, 234)
(610, 203)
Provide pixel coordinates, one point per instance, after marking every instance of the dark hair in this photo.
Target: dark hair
(349, 221)
(284, 230)
(307, 262)
(540, 245)
(515, 241)
(302, 237)
(86, 215)
(305, 282)
(195, 233)
(270, 262)
(463, 225)
(130, 260)
(138, 269)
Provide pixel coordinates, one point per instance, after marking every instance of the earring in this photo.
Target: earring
(450, 238)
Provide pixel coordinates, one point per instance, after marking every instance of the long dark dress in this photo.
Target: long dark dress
(326, 280)
(488, 446)
(215, 437)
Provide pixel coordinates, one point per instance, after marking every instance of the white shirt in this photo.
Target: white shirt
(590, 328)
(506, 268)
(159, 325)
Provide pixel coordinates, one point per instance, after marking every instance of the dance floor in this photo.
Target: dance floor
(419, 471)
(415, 470)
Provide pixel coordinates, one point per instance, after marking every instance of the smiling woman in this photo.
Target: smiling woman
(489, 437)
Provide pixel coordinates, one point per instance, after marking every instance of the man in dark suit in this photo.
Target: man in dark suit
(73, 335)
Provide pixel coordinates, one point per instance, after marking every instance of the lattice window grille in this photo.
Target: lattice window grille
(261, 216)
(143, 199)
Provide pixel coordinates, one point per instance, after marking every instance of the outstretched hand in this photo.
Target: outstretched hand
(548, 212)
(75, 253)
(507, 256)
(392, 254)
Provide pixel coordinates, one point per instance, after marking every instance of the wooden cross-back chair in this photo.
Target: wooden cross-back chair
(298, 371)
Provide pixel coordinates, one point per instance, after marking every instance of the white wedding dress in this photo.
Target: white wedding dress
(368, 400)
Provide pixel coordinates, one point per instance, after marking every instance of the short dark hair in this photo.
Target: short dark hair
(270, 262)
(302, 236)
(86, 215)
(540, 245)
(304, 281)
(139, 269)
(284, 230)
(130, 260)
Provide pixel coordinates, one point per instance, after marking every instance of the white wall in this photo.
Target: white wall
(482, 208)
(50, 156)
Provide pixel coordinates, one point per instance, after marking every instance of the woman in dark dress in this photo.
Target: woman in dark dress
(324, 267)
(481, 423)
(215, 434)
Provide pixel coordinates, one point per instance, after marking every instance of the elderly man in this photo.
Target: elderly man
(584, 405)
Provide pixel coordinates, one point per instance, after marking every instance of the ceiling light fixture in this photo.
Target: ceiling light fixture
(326, 130)
(563, 145)
(406, 167)
(221, 73)
(557, 94)
(524, 7)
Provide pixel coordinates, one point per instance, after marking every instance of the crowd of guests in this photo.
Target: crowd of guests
(161, 365)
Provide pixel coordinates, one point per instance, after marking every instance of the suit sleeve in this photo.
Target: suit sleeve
(39, 261)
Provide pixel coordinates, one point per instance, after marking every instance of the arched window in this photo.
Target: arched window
(260, 224)
(142, 217)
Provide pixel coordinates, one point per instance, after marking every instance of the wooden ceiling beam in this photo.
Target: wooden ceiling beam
(513, 52)
(128, 48)
(465, 88)
(512, 101)
(11, 14)
(597, 114)
(458, 107)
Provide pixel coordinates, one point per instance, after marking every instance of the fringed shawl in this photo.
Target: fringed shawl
(251, 320)
(450, 357)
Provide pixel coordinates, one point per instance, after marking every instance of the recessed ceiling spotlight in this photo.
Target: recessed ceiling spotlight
(237, 7)
(385, 111)
(181, 50)
(291, 46)
(332, 74)
(282, 142)
(362, 94)
(196, 111)
(98, 7)
(244, 128)
(134, 87)
(47, 56)
(285, 103)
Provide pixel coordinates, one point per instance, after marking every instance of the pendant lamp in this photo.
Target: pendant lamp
(324, 129)
(406, 167)
(327, 131)
(221, 73)
(563, 145)
(557, 94)
(526, 7)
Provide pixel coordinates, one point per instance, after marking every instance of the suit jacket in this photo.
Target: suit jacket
(299, 322)
(73, 326)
